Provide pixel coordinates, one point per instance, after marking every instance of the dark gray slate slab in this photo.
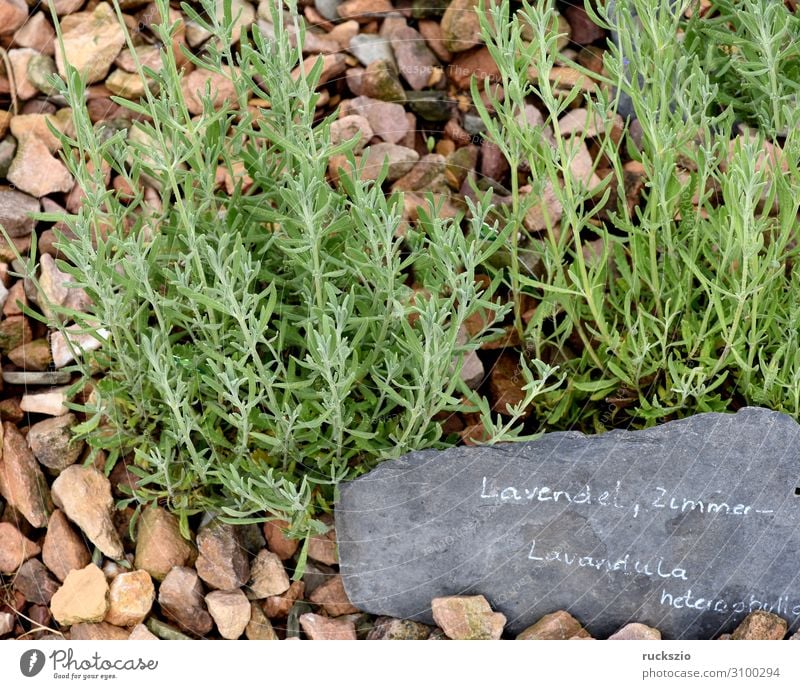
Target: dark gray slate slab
(686, 527)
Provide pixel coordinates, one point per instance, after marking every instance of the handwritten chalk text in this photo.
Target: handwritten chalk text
(625, 564)
(584, 496)
(783, 606)
(659, 499)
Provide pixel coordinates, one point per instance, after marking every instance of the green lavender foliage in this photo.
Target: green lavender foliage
(690, 302)
(751, 51)
(264, 344)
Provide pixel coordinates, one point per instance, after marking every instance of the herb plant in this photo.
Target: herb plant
(751, 51)
(684, 299)
(265, 341)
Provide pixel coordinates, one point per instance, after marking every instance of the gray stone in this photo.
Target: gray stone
(686, 527)
(399, 159)
(433, 106)
(368, 48)
(328, 9)
(473, 124)
(8, 149)
(36, 377)
(41, 68)
(52, 443)
(15, 212)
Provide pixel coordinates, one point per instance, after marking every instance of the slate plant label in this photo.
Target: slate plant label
(687, 527)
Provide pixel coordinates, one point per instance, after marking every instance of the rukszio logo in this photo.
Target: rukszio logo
(31, 662)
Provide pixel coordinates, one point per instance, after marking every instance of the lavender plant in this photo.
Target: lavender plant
(264, 340)
(683, 301)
